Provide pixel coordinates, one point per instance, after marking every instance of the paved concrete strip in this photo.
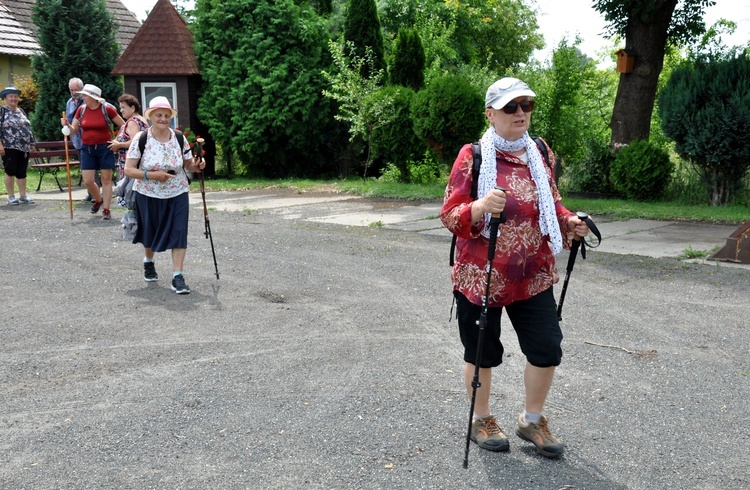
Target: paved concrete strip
(661, 238)
(265, 202)
(649, 238)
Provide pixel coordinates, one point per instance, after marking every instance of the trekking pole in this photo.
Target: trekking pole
(577, 242)
(66, 132)
(207, 233)
(482, 322)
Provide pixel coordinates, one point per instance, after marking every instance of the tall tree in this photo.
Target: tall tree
(77, 39)
(407, 67)
(362, 27)
(263, 83)
(648, 27)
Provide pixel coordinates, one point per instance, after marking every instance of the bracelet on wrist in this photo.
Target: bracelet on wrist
(145, 175)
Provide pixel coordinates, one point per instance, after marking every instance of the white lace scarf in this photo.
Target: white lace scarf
(488, 180)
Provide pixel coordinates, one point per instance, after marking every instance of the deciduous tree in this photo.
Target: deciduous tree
(648, 26)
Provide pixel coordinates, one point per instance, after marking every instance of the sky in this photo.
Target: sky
(558, 19)
(566, 18)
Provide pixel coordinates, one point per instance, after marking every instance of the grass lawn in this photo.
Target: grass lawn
(614, 208)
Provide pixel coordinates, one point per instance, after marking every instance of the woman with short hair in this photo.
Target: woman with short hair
(130, 108)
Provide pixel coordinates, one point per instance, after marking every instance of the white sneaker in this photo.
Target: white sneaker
(13, 201)
(26, 200)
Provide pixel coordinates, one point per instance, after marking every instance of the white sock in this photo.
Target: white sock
(146, 259)
(531, 417)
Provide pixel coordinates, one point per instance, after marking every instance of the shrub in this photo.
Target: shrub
(29, 92)
(447, 114)
(393, 139)
(705, 109)
(641, 171)
(591, 174)
(425, 171)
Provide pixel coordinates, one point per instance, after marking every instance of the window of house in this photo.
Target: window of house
(164, 89)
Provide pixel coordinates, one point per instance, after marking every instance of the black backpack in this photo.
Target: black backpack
(477, 152)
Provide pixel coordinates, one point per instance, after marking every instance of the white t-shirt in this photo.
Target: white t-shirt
(161, 156)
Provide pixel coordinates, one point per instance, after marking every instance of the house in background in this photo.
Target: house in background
(161, 61)
(18, 35)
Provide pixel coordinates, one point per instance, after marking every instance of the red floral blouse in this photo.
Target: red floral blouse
(524, 264)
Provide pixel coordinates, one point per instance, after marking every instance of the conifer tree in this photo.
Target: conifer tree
(408, 64)
(362, 27)
(77, 39)
(262, 100)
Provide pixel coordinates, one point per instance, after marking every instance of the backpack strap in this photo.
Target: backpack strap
(180, 139)
(142, 146)
(542, 149)
(104, 111)
(3, 110)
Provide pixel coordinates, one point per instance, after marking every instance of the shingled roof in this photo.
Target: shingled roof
(20, 11)
(15, 39)
(162, 46)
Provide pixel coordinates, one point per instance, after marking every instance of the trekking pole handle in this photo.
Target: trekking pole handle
(199, 142)
(501, 215)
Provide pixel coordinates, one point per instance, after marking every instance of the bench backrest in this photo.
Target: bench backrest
(52, 149)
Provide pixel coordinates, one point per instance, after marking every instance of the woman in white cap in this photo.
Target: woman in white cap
(94, 118)
(523, 268)
(162, 187)
(16, 141)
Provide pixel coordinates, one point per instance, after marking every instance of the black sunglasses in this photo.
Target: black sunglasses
(512, 107)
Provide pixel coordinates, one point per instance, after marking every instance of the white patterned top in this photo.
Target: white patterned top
(161, 156)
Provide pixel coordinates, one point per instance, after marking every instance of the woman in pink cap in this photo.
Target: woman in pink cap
(161, 191)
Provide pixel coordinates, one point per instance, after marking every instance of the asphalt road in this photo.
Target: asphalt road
(324, 358)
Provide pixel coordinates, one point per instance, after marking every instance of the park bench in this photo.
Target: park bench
(49, 157)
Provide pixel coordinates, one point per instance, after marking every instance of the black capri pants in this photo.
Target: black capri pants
(534, 320)
(16, 163)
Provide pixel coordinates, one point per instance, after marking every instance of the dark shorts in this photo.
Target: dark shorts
(162, 223)
(97, 157)
(534, 320)
(16, 162)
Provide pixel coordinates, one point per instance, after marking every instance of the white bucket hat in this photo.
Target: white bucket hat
(159, 103)
(92, 91)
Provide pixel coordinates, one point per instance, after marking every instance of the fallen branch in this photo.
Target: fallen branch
(639, 354)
